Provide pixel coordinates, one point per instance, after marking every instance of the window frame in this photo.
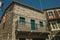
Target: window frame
(58, 12)
(41, 22)
(21, 18)
(50, 13)
(33, 27)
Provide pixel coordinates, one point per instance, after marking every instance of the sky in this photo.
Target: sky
(37, 4)
(5, 5)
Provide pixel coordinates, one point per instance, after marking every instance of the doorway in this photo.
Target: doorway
(22, 39)
(38, 39)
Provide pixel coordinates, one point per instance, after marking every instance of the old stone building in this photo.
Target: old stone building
(22, 22)
(28, 23)
(53, 18)
(6, 25)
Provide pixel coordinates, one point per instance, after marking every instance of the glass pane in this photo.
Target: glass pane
(50, 13)
(41, 24)
(22, 19)
(59, 11)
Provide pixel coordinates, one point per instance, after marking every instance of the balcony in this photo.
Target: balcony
(27, 27)
(55, 27)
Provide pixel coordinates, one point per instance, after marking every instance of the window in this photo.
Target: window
(33, 25)
(50, 13)
(41, 24)
(59, 12)
(22, 20)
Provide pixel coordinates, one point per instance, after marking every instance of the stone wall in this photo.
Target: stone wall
(6, 32)
(1, 31)
(28, 14)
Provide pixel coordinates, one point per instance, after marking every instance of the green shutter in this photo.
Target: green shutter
(41, 24)
(33, 24)
(22, 20)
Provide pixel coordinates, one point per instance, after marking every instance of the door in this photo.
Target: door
(22, 39)
(38, 39)
(56, 38)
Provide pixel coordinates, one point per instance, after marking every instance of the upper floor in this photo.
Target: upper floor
(53, 14)
(28, 19)
(53, 18)
(35, 26)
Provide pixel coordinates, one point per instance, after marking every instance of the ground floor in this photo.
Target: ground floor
(55, 35)
(31, 39)
(56, 38)
(31, 36)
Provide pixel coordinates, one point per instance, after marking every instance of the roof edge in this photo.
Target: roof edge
(28, 6)
(51, 8)
(21, 4)
(5, 11)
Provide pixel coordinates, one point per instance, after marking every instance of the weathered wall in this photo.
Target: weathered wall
(28, 14)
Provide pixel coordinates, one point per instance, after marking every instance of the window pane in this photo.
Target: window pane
(41, 24)
(50, 13)
(22, 20)
(59, 11)
(33, 24)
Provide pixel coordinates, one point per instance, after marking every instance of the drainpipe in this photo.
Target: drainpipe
(8, 37)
